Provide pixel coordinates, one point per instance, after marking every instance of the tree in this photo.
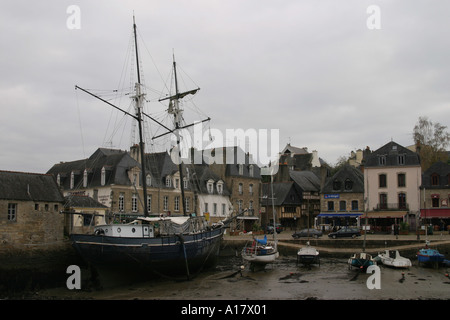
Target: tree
(431, 141)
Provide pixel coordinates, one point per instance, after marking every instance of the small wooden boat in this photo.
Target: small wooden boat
(361, 260)
(393, 258)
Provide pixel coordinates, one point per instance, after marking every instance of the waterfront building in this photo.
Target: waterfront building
(30, 205)
(342, 199)
(392, 176)
(435, 196)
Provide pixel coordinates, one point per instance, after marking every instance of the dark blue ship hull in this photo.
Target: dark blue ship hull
(167, 255)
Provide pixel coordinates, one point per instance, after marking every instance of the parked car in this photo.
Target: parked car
(269, 228)
(304, 233)
(345, 232)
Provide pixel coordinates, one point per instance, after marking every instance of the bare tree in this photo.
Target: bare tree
(431, 140)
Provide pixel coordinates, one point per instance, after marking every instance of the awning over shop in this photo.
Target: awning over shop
(339, 214)
(442, 213)
(386, 214)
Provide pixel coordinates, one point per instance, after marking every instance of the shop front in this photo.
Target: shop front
(327, 221)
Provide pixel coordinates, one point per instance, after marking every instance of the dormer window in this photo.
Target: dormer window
(241, 169)
(185, 183)
(85, 178)
(72, 180)
(220, 187)
(210, 186)
(382, 160)
(148, 180)
(401, 159)
(336, 185)
(103, 177)
(434, 179)
(251, 170)
(58, 180)
(168, 182)
(348, 184)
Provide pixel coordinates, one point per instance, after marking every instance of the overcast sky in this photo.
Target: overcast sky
(311, 69)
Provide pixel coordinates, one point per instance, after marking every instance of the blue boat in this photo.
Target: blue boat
(429, 256)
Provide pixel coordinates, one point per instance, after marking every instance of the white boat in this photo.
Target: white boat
(308, 255)
(260, 251)
(393, 258)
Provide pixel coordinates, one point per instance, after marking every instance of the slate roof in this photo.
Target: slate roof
(29, 187)
(306, 180)
(346, 172)
(391, 151)
(442, 170)
(81, 201)
(116, 163)
(284, 193)
(202, 175)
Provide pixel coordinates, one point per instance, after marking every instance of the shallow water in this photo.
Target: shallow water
(282, 280)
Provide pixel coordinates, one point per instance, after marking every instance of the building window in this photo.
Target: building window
(336, 185)
(401, 159)
(224, 209)
(382, 181)
(239, 203)
(206, 207)
(121, 201)
(210, 186)
(241, 188)
(166, 203)
(58, 180)
(55, 208)
(148, 181)
(36, 206)
(250, 189)
(342, 205)
(149, 203)
(185, 183)
(251, 170)
(168, 182)
(355, 205)
(382, 160)
(219, 187)
(250, 206)
(348, 184)
(435, 201)
(177, 183)
(330, 205)
(186, 204)
(215, 209)
(85, 178)
(177, 203)
(103, 176)
(402, 201)
(72, 180)
(401, 179)
(12, 211)
(383, 201)
(134, 203)
(241, 169)
(434, 179)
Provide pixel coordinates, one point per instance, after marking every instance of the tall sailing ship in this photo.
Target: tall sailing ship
(169, 245)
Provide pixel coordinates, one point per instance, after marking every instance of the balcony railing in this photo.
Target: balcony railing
(391, 206)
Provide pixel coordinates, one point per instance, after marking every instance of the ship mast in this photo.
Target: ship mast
(138, 99)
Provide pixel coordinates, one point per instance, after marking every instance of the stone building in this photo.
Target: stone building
(30, 205)
(435, 196)
(243, 179)
(342, 199)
